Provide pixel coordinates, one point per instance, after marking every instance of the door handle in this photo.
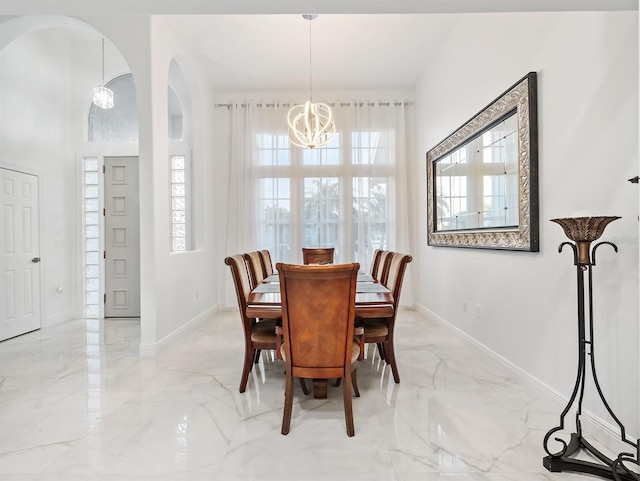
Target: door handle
(35, 260)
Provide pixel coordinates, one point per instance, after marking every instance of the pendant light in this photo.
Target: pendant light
(310, 124)
(103, 96)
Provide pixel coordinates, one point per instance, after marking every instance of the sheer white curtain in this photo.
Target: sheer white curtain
(350, 194)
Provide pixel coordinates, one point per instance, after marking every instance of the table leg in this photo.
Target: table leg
(320, 388)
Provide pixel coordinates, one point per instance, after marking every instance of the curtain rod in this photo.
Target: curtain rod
(331, 104)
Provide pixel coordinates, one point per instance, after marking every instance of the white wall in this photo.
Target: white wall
(176, 288)
(46, 78)
(587, 66)
(34, 138)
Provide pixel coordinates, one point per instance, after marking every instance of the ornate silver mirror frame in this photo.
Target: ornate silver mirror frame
(520, 101)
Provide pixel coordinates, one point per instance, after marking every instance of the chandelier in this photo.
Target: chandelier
(102, 96)
(310, 124)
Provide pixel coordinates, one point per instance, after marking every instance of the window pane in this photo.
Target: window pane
(178, 189)
(90, 178)
(370, 215)
(177, 176)
(327, 155)
(178, 216)
(177, 162)
(90, 164)
(275, 213)
(178, 244)
(321, 212)
(371, 148)
(273, 150)
(180, 224)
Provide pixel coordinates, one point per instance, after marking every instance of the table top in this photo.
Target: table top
(372, 299)
(362, 277)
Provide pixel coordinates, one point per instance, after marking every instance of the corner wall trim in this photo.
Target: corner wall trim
(150, 350)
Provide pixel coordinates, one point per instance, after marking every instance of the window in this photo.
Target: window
(91, 239)
(338, 195)
(180, 204)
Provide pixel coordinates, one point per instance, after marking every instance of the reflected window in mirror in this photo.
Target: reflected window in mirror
(477, 184)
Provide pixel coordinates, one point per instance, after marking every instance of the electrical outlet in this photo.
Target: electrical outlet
(478, 312)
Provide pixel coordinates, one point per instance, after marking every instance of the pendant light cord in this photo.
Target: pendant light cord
(103, 61)
(310, 74)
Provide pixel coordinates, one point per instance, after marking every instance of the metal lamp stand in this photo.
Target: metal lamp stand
(584, 230)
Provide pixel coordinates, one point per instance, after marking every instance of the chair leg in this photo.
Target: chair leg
(288, 405)
(256, 360)
(338, 379)
(391, 359)
(381, 350)
(249, 356)
(348, 408)
(304, 386)
(354, 382)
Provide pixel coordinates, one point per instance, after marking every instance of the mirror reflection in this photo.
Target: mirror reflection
(477, 183)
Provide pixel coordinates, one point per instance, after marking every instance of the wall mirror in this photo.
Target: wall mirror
(482, 179)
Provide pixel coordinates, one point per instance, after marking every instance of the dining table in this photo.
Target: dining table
(372, 300)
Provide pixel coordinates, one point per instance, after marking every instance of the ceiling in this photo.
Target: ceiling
(264, 45)
(272, 52)
(198, 7)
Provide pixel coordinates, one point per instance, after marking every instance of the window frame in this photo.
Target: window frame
(178, 150)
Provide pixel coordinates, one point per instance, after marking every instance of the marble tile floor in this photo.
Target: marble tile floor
(78, 403)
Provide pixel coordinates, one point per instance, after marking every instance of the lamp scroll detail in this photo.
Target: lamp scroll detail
(310, 124)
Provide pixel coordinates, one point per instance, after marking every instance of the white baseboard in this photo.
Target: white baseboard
(150, 350)
(57, 319)
(604, 433)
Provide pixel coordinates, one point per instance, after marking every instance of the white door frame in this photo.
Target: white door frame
(97, 150)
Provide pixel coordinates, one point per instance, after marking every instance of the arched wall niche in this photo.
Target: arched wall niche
(180, 104)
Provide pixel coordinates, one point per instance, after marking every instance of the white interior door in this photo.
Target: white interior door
(122, 237)
(20, 254)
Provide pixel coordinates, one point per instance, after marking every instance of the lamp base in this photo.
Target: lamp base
(607, 469)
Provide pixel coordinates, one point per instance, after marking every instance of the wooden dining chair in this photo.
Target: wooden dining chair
(256, 268)
(267, 262)
(375, 260)
(317, 255)
(318, 310)
(258, 335)
(381, 266)
(381, 330)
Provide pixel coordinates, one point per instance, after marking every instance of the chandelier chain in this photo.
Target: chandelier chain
(102, 60)
(310, 71)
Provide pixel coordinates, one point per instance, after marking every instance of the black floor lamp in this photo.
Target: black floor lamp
(583, 231)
